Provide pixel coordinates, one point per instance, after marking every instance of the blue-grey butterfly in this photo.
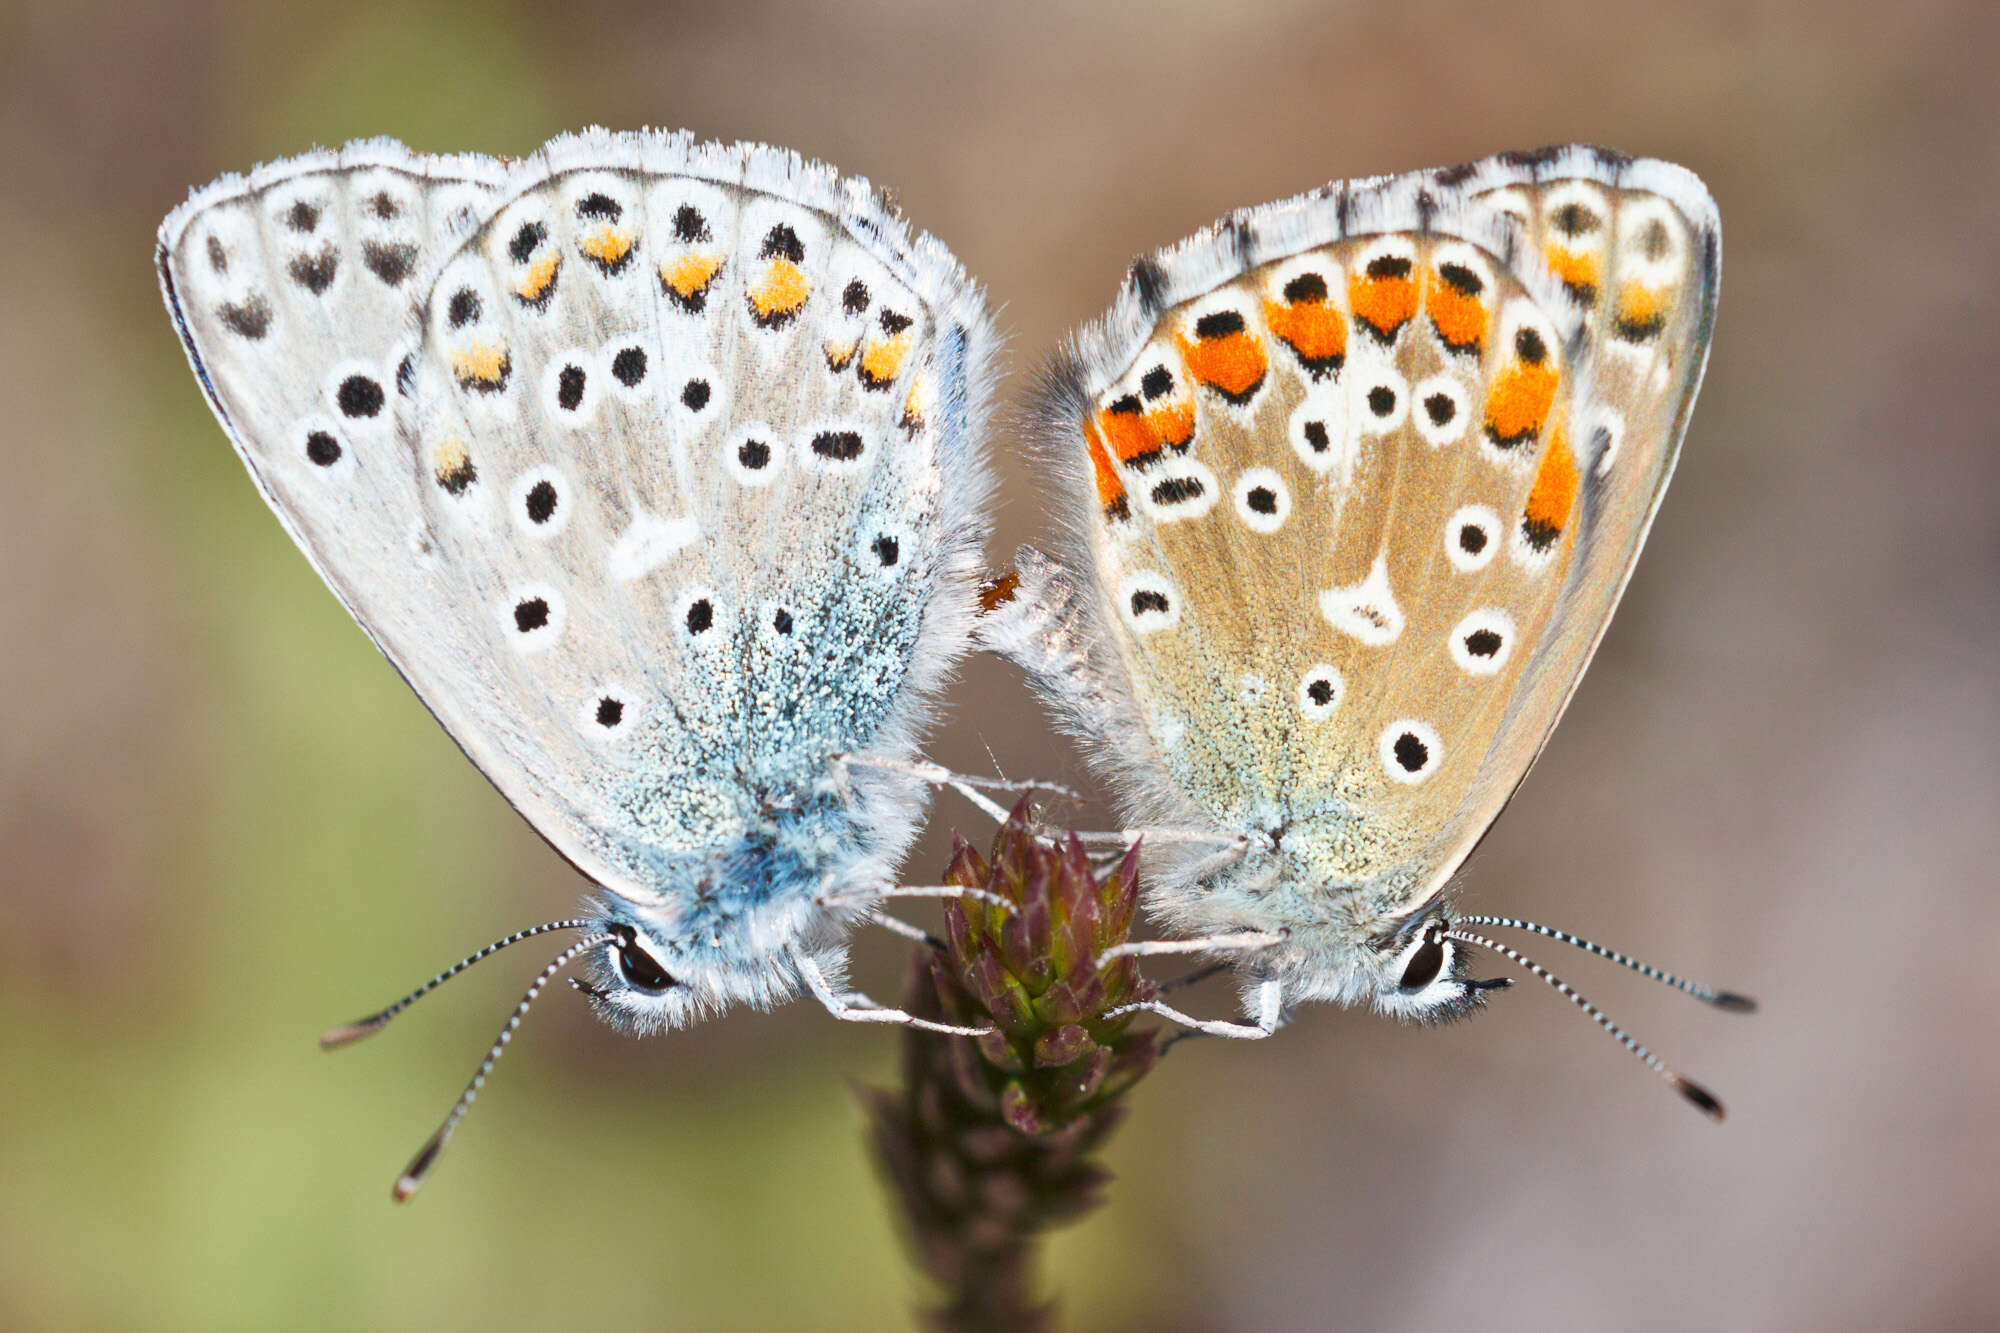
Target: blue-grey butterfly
(657, 469)
(1354, 482)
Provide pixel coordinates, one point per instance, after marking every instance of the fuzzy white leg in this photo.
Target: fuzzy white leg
(854, 1007)
(1249, 941)
(1269, 1016)
(1234, 847)
(905, 929)
(1233, 843)
(874, 896)
(965, 784)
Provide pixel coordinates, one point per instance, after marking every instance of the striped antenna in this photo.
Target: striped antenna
(420, 1165)
(349, 1033)
(1721, 999)
(1703, 1099)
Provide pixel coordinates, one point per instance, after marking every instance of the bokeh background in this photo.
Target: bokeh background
(227, 824)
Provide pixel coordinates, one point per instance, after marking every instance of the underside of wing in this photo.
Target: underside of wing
(598, 486)
(1356, 480)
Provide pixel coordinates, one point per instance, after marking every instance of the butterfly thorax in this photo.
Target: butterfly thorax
(1297, 878)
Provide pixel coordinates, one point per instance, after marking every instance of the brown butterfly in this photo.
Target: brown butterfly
(1354, 482)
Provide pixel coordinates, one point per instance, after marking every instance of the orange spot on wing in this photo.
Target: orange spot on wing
(781, 293)
(917, 404)
(1233, 363)
(451, 462)
(1578, 270)
(1553, 494)
(1129, 433)
(1518, 404)
(1460, 317)
(691, 273)
(485, 363)
(1642, 311)
(1311, 328)
(608, 245)
(882, 361)
(1110, 490)
(1384, 301)
(534, 283)
(1173, 422)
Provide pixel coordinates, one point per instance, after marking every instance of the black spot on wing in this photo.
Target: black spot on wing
(525, 240)
(315, 272)
(390, 263)
(359, 396)
(250, 318)
(690, 226)
(781, 242)
(456, 479)
(531, 614)
(1178, 490)
(1461, 279)
(464, 308)
(628, 367)
(1148, 282)
(1305, 287)
(840, 445)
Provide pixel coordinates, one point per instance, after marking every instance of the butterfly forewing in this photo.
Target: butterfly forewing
(1360, 504)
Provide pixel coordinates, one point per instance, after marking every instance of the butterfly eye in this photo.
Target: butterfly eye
(639, 970)
(1423, 963)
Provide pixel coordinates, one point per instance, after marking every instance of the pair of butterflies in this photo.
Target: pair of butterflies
(659, 470)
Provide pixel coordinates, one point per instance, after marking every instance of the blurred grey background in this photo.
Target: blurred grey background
(227, 824)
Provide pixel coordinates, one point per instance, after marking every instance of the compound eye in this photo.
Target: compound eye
(639, 969)
(1422, 964)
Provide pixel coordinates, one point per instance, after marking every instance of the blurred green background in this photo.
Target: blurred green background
(227, 824)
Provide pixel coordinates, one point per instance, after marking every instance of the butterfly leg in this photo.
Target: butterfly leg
(874, 896)
(915, 934)
(1234, 846)
(1269, 1016)
(1248, 941)
(855, 1007)
(965, 784)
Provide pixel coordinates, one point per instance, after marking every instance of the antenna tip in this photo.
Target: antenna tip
(1734, 1003)
(1704, 1100)
(348, 1033)
(413, 1175)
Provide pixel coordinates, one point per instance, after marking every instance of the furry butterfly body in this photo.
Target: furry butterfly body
(656, 468)
(1353, 485)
